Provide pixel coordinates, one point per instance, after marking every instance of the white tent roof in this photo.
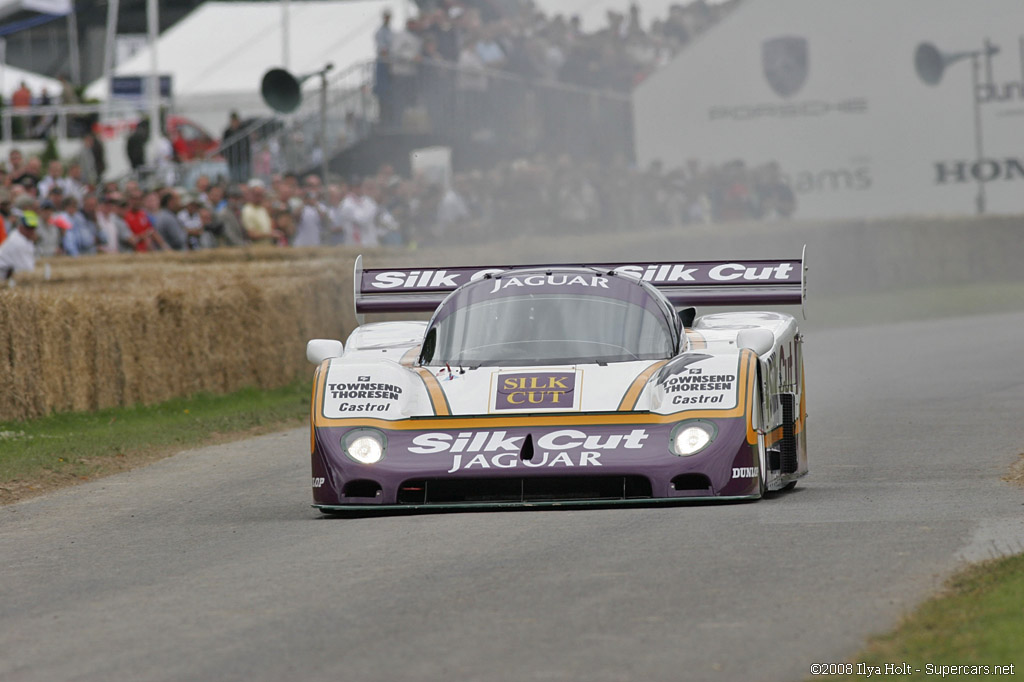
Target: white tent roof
(11, 78)
(59, 7)
(226, 47)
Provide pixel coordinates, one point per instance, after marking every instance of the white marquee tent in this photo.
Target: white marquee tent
(218, 54)
(58, 7)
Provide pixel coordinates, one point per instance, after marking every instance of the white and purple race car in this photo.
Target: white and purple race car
(562, 384)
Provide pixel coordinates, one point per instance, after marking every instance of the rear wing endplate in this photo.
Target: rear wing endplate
(690, 283)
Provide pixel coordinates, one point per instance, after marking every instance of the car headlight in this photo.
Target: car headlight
(690, 437)
(365, 446)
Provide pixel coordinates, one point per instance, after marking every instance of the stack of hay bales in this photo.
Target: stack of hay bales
(122, 330)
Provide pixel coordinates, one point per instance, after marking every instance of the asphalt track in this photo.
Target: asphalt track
(211, 566)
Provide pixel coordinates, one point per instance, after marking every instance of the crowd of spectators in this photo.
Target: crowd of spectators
(416, 62)
(59, 212)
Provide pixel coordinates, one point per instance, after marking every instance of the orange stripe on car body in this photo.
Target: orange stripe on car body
(696, 340)
(409, 357)
(628, 402)
(319, 379)
(438, 399)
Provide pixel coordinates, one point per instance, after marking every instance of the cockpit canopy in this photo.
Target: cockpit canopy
(549, 317)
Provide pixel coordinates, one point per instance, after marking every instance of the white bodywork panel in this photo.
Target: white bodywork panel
(376, 375)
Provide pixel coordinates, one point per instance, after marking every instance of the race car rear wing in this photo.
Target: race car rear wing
(690, 283)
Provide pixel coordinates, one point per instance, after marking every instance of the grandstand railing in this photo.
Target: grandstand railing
(62, 121)
(496, 113)
(283, 143)
(490, 114)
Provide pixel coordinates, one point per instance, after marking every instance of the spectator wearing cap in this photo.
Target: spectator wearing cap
(18, 253)
(192, 222)
(49, 234)
(167, 224)
(230, 217)
(256, 220)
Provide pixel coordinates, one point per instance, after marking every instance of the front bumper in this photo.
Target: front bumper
(431, 466)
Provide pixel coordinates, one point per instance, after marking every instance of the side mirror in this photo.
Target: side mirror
(318, 350)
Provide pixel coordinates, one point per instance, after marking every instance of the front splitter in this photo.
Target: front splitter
(639, 502)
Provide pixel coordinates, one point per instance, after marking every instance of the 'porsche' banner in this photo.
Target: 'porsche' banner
(738, 282)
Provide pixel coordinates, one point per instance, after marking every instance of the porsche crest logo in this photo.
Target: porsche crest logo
(785, 61)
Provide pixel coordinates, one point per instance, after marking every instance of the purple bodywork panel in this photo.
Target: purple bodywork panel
(439, 453)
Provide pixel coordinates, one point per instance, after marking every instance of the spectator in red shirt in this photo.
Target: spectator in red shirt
(144, 236)
(21, 99)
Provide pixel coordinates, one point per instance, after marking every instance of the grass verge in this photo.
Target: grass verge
(43, 454)
(976, 622)
(1016, 473)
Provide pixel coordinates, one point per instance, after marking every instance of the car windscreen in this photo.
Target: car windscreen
(547, 329)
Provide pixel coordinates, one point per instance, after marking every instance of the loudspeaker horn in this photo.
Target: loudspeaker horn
(930, 62)
(282, 91)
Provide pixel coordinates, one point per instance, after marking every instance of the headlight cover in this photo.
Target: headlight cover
(691, 436)
(365, 446)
